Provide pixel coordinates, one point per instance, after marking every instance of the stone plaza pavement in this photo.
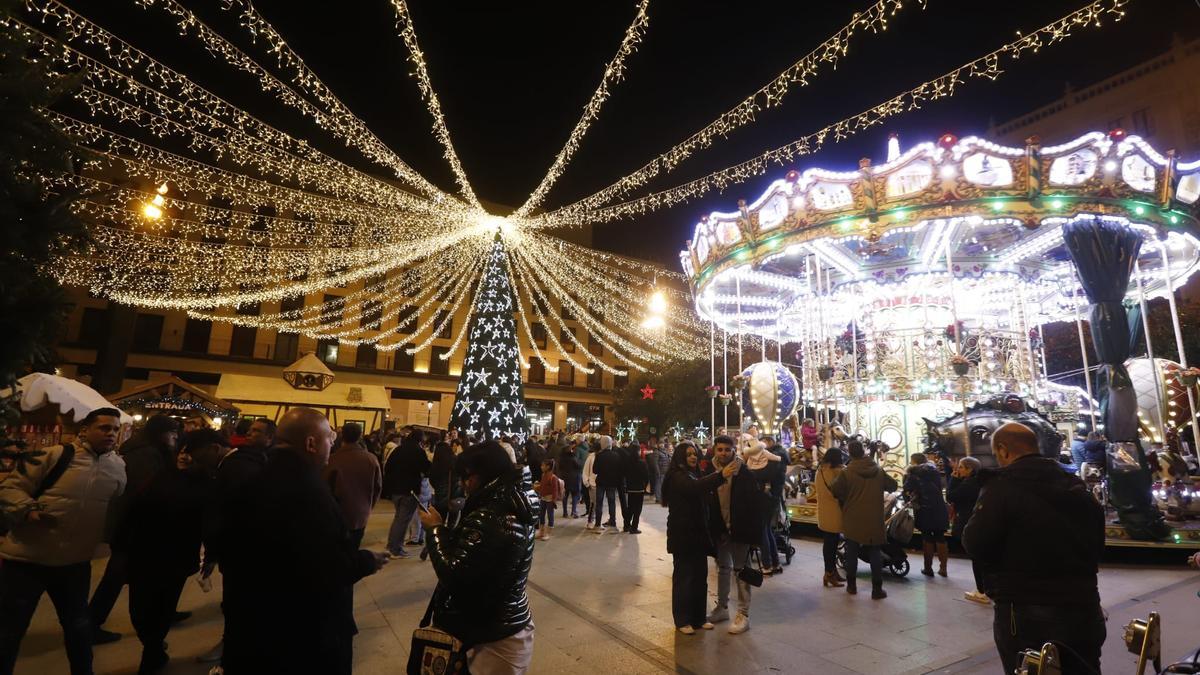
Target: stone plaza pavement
(601, 604)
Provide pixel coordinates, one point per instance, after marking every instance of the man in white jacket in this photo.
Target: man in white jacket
(56, 509)
(589, 483)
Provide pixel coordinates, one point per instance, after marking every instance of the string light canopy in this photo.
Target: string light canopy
(199, 205)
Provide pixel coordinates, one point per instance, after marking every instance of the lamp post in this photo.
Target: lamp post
(428, 413)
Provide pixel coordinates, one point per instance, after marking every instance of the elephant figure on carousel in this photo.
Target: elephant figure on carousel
(983, 419)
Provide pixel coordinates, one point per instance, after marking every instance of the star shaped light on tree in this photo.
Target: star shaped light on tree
(648, 392)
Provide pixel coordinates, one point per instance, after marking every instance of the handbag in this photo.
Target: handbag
(752, 575)
(434, 651)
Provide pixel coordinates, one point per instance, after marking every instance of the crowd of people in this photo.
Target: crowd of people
(280, 513)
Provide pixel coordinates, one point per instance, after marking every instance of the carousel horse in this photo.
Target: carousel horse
(983, 419)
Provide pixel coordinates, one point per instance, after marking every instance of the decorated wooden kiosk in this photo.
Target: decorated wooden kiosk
(916, 290)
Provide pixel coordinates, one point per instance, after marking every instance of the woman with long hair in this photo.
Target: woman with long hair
(685, 494)
(829, 514)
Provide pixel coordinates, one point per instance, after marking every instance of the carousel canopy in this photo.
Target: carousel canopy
(884, 240)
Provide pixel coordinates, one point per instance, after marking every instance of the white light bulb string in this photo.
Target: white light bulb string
(802, 72)
(613, 73)
(944, 86)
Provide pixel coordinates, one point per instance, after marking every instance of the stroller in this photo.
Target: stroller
(781, 529)
(898, 527)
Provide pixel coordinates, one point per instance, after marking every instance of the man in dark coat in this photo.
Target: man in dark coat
(860, 490)
(236, 467)
(609, 480)
(636, 477)
(482, 564)
(535, 454)
(737, 515)
(166, 526)
(289, 563)
(402, 475)
(1038, 534)
(147, 454)
(570, 471)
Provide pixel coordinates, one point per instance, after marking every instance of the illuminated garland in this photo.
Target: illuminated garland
(941, 87)
(612, 73)
(335, 117)
(404, 24)
(874, 18)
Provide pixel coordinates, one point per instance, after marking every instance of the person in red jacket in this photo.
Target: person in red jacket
(550, 489)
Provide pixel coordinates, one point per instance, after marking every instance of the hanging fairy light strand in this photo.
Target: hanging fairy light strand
(801, 73)
(334, 116)
(613, 73)
(986, 67)
(416, 57)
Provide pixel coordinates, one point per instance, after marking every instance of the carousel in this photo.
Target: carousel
(913, 293)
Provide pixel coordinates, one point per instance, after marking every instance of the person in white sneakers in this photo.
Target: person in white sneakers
(589, 487)
(737, 516)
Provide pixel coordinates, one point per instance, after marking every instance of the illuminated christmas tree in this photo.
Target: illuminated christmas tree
(490, 400)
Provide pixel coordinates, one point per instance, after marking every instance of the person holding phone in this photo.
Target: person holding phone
(482, 563)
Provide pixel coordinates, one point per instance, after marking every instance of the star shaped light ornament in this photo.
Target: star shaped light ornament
(648, 392)
(478, 390)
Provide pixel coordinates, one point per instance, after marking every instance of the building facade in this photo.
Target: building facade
(115, 347)
(1157, 99)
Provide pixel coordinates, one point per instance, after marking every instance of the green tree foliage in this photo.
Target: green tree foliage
(679, 397)
(36, 225)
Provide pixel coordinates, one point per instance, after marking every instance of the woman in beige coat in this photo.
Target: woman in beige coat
(829, 513)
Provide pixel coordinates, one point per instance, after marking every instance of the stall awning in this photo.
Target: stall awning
(259, 389)
(172, 393)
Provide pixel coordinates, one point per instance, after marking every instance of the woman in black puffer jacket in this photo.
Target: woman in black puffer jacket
(689, 540)
(923, 489)
(482, 564)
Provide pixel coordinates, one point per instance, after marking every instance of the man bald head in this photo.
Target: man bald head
(1013, 441)
(306, 430)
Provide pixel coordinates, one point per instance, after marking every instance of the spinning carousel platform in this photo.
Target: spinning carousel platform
(1184, 535)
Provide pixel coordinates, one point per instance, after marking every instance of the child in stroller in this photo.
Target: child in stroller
(899, 530)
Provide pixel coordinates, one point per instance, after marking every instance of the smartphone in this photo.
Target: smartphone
(424, 509)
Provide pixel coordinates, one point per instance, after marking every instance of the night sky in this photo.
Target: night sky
(513, 78)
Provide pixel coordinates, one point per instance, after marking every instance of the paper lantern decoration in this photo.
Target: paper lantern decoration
(769, 395)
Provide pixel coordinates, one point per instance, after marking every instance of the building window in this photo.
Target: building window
(595, 379)
(564, 338)
(438, 365)
(195, 336)
(620, 381)
(403, 361)
(565, 312)
(294, 303)
(595, 347)
(93, 327)
(539, 335)
(406, 318)
(566, 374)
(327, 351)
(249, 309)
(332, 313)
(537, 371)
(242, 343)
(540, 300)
(1143, 124)
(447, 331)
(287, 346)
(147, 332)
(372, 315)
(364, 357)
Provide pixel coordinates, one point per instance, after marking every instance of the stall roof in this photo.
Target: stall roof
(172, 386)
(257, 388)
